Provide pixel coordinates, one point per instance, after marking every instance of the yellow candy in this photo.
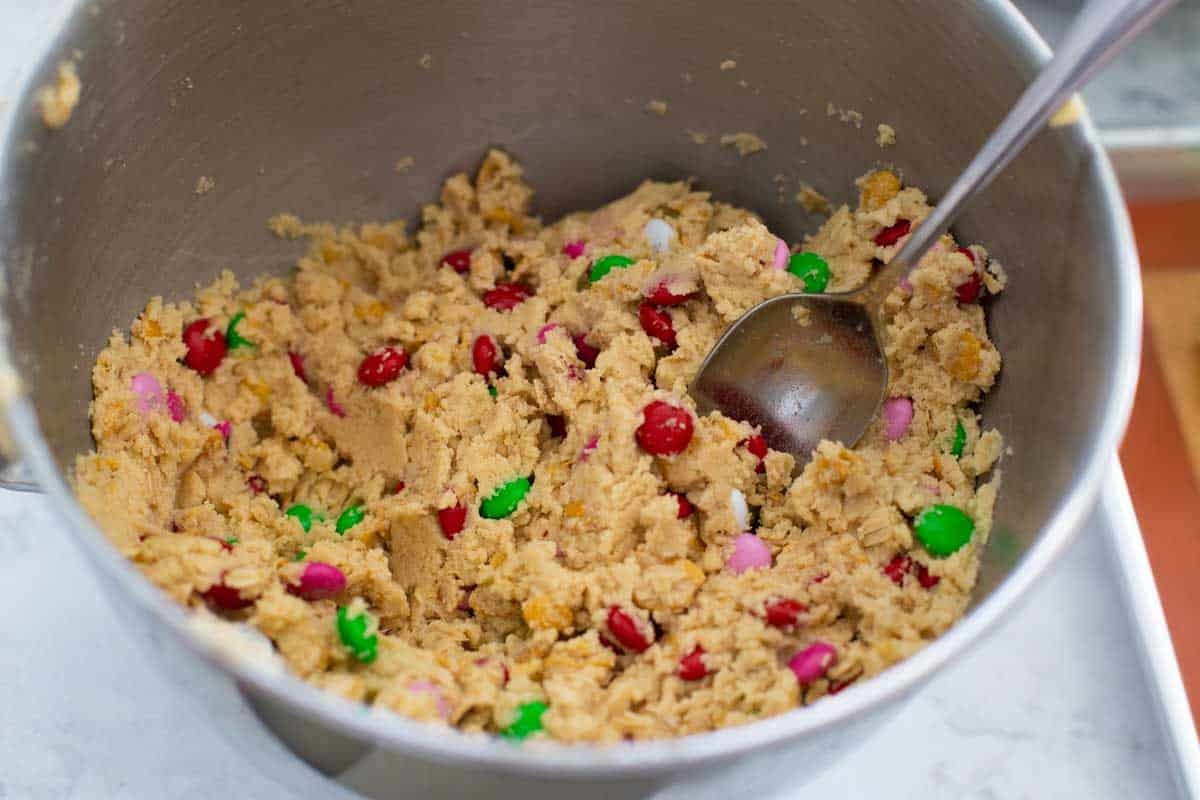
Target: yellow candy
(691, 570)
(965, 364)
(543, 613)
(878, 188)
(258, 389)
(373, 310)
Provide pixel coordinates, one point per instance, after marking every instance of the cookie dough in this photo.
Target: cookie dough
(457, 475)
(57, 101)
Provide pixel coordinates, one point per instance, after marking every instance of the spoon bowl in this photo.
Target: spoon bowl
(801, 367)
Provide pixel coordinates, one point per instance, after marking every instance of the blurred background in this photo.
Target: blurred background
(1147, 106)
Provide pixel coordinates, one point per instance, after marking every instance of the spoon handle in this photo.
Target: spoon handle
(1098, 33)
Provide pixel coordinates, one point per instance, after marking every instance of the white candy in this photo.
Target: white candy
(741, 511)
(237, 642)
(208, 419)
(659, 234)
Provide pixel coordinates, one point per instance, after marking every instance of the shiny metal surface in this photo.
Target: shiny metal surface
(806, 368)
(304, 105)
(799, 381)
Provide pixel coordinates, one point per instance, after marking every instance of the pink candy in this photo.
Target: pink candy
(781, 255)
(573, 250)
(319, 581)
(545, 329)
(226, 428)
(589, 447)
(149, 392)
(897, 416)
(334, 406)
(812, 662)
(435, 691)
(175, 407)
(749, 552)
(905, 285)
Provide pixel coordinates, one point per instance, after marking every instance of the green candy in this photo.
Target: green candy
(505, 499)
(527, 722)
(493, 391)
(233, 339)
(960, 439)
(810, 268)
(943, 530)
(303, 515)
(605, 265)
(349, 518)
(231, 541)
(353, 633)
(300, 554)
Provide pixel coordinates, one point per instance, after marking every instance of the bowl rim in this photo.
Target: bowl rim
(401, 734)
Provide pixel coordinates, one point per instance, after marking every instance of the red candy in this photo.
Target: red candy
(657, 324)
(784, 613)
(382, 367)
(902, 565)
(897, 568)
(452, 520)
(968, 291)
(685, 508)
(204, 351)
(298, 365)
(400, 487)
(506, 296)
(225, 598)
(256, 484)
(757, 445)
(692, 666)
(586, 352)
(626, 629)
(893, 233)
(661, 295)
(666, 431)
(485, 355)
(458, 260)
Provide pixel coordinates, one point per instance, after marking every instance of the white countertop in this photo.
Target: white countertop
(1054, 704)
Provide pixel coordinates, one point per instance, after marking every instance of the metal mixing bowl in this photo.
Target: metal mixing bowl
(304, 105)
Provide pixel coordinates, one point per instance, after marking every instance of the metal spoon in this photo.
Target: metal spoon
(826, 378)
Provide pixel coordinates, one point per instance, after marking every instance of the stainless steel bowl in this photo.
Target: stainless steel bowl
(304, 105)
